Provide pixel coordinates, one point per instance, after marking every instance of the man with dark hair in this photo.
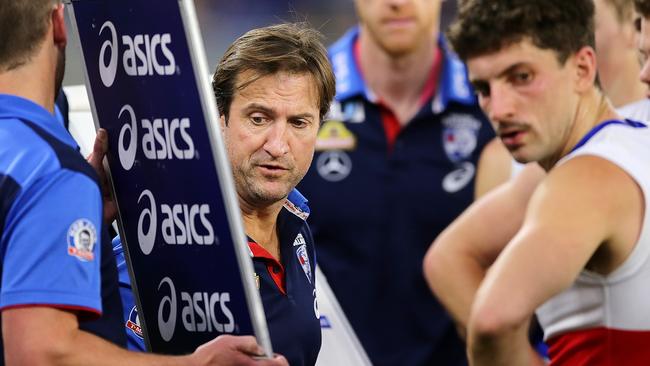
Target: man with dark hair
(59, 292)
(399, 157)
(580, 255)
(273, 86)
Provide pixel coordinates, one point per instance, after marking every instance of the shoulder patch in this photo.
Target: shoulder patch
(82, 237)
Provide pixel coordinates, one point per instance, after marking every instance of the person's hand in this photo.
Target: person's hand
(227, 350)
(96, 159)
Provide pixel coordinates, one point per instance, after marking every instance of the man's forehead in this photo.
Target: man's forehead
(494, 64)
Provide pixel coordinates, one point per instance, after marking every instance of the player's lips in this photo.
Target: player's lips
(399, 22)
(512, 138)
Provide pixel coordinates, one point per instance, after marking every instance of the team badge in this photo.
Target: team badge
(133, 323)
(82, 237)
(459, 136)
(334, 166)
(303, 258)
(333, 135)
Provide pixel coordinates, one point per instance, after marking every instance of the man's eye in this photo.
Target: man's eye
(520, 78)
(482, 90)
(257, 120)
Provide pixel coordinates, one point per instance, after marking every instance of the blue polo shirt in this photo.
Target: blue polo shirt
(54, 249)
(287, 288)
(381, 194)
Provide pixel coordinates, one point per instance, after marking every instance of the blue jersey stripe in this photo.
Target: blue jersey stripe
(599, 127)
(9, 189)
(68, 157)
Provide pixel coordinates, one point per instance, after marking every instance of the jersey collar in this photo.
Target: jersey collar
(453, 84)
(12, 106)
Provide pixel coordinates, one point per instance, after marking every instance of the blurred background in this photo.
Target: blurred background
(222, 21)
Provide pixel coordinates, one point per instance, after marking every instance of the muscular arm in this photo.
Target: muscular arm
(458, 259)
(583, 204)
(50, 336)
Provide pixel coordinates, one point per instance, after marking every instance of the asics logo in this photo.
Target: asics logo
(142, 54)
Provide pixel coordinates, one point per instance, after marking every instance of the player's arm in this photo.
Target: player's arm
(459, 258)
(579, 206)
(494, 168)
(51, 336)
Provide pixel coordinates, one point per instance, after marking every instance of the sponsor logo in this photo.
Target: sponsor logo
(316, 311)
(82, 238)
(162, 138)
(107, 72)
(300, 240)
(181, 224)
(333, 135)
(459, 136)
(303, 259)
(456, 180)
(352, 112)
(200, 311)
(334, 166)
(142, 54)
(133, 323)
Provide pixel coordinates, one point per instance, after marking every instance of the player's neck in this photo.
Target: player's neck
(33, 81)
(593, 109)
(398, 80)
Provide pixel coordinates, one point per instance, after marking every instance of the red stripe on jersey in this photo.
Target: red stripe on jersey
(275, 268)
(600, 347)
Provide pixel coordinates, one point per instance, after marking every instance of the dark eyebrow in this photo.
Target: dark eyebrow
(510, 69)
(256, 107)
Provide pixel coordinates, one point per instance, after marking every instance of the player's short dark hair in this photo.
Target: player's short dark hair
(486, 26)
(642, 7)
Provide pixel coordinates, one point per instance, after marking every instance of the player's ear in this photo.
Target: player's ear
(58, 23)
(585, 69)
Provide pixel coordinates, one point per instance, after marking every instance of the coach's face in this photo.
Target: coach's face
(270, 134)
(531, 99)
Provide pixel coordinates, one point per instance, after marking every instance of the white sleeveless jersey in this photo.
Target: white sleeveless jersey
(605, 320)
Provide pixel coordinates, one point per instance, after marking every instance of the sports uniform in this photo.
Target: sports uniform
(603, 320)
(381, 194)
(55, 251)
(287, 288)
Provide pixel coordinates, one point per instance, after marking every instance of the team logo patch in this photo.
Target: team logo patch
(333, 135)
(459, 136)
(334, 166)
(82, 238)
(303, 258)
(133, 323)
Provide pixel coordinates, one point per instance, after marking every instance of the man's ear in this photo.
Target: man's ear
(586, 68)
(222, 122)
(58, 23)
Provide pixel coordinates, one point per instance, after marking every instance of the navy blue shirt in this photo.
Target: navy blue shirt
(53, 244)
(287, 288)
(381, 194)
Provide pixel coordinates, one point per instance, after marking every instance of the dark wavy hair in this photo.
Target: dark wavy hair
(486, 26)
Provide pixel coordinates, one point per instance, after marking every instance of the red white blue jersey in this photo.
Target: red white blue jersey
(605, 320)
(54, 250)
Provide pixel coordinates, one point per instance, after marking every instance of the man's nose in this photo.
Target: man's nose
(277, 139)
